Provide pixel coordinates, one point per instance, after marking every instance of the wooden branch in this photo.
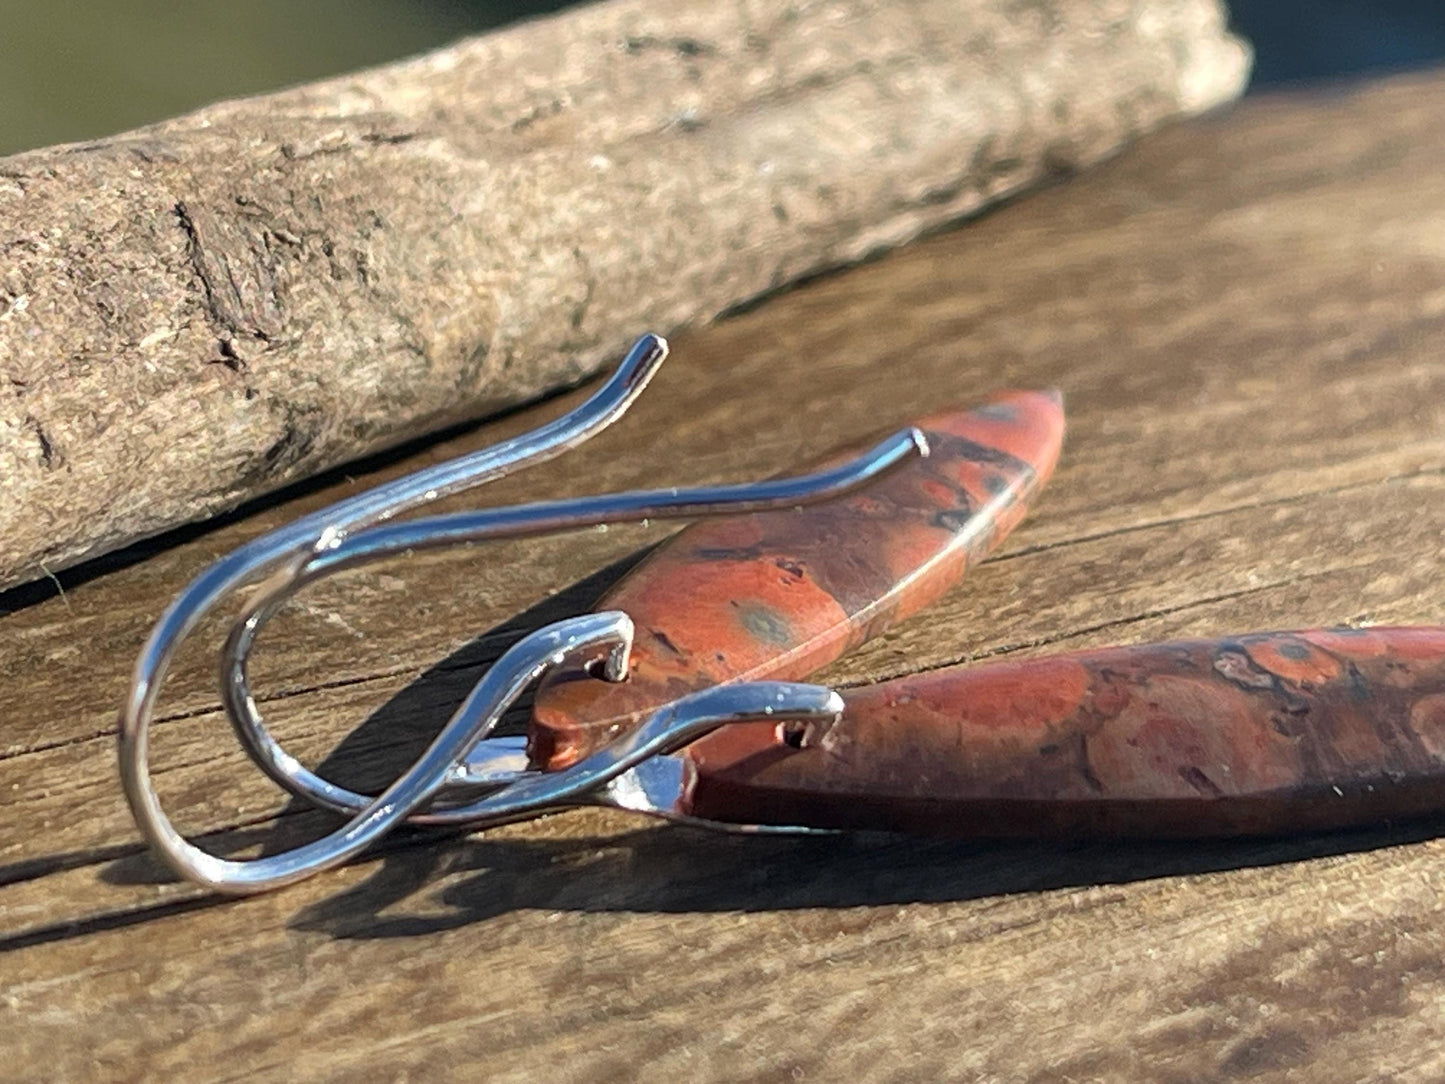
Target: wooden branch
(200, 311)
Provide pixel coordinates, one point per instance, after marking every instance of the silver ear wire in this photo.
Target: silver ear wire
(355, 532)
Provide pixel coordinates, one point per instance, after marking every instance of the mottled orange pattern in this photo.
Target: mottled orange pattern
(1258, 734)
(781, 594)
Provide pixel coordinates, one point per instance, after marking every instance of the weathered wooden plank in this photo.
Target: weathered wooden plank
(1249, 320)
(608, 956)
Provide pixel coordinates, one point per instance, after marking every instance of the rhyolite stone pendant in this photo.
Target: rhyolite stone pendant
(1260, 734)
(782, 594)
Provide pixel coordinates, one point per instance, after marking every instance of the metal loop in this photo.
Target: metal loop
(352, 533)
(517, 522)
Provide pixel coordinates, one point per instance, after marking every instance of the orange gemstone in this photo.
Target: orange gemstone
(782, 594)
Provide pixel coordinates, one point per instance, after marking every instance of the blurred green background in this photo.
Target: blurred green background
(76, 69)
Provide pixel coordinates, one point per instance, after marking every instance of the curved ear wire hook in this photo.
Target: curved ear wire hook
(351, 533)
(599, 637)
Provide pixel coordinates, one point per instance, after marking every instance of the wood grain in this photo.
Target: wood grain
(1248, 318)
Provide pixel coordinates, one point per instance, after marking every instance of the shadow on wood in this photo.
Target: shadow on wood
(446, 883)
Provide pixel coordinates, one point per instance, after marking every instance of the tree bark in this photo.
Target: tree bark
(200, 311)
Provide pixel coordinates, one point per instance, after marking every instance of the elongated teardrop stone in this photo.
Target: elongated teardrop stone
(1261, 734)
(782, 594)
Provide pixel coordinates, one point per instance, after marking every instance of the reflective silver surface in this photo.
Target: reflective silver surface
(441, 787)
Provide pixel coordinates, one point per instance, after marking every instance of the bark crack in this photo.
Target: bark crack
(49, 457)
